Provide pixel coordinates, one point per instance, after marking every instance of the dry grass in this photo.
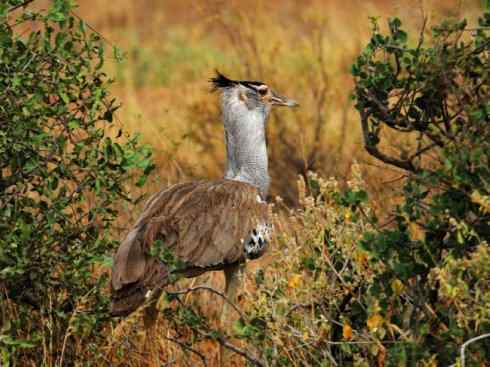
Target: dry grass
(304, 50)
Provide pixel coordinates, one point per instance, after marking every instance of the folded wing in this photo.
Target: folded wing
(206, 225)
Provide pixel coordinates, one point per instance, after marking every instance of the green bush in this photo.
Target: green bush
(432, 98)
(63, 168)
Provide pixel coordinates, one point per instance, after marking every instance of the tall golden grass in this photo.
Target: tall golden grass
(303, 50)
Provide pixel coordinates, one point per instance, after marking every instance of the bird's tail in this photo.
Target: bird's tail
(128, 298)
(136, 276)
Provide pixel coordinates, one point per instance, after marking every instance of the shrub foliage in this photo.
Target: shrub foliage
(433, 97)
(63, 166)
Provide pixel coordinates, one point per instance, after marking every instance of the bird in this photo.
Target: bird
(206, 225)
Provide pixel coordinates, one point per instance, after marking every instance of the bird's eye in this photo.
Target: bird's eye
(262, 91)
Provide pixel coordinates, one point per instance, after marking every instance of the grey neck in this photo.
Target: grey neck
(246, 149)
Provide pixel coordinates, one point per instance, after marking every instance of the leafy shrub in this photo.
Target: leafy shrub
(306, 304)
(64, 164)
(437, 96)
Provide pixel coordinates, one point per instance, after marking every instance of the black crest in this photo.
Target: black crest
(221, 81)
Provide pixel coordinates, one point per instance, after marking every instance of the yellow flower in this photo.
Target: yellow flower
(482, 200)
(397, 286)
(347, 332)
(362, 258)
(374, 322)
(294, 281)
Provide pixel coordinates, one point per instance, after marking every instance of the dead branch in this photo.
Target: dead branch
(221, 340)
(468, 342)
(212, 290)
(374, 151)
(24, 4)
(186, 347)
(254, 360)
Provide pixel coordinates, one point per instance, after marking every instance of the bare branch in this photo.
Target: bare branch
(24, 4)
(468, 342)
(220, 339)
(373, 150)
(212, 290)
(422, 151)
(421, 34)
(186, 347)
(254, 360)
(89, 26)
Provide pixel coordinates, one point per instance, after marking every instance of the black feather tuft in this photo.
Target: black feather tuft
(221, 81)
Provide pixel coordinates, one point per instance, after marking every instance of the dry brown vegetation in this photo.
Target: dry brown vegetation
(303, 49)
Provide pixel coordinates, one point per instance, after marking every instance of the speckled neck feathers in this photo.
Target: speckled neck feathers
(245, 138)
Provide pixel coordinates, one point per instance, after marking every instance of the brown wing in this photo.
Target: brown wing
(204, 224)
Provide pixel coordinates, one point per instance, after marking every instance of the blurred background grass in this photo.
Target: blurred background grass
(302, 49)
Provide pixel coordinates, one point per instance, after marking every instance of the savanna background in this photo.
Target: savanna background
(303, 49)
(166, 53)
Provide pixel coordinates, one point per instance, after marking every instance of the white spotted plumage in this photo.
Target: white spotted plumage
(257, 242)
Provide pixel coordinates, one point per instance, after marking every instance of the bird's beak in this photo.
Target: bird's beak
(279, 100)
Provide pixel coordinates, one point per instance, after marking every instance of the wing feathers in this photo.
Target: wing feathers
(129, 261)
(204, 224)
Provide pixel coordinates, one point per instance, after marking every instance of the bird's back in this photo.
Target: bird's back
(207, 225)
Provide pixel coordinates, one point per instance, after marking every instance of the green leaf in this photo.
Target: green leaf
(118, 55)
(26, 344)
(3, 10)
(56, 16)
(401, 37)
(64, 97)
(141, 180)
(73, 124)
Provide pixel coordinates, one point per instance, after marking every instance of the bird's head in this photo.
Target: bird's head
(252, 94)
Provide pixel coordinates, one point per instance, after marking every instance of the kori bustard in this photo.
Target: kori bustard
(207, 225)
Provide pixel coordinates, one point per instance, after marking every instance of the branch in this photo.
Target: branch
(25, 3)
(221, 339)
(255, 361)
(186, 347)
(212, 290)
(92, 29)
(468, 342)
(422, 151)
(384, 112)
(373, 150)
(421, 34)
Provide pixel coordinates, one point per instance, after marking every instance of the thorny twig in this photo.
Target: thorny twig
(89, 26)
(186, 347)
(254, 360)
(212, 290)
(25, 3)
(221, 340)
(468, 342)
